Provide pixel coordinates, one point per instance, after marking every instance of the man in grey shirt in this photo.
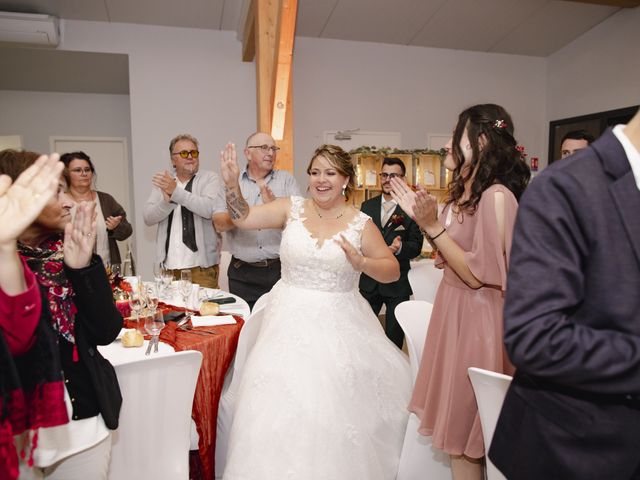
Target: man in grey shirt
(255, 261)
(181, 205)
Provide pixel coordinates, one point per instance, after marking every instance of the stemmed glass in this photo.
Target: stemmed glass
(153, 324)
(137, 302)
(152, 298)
(158, 270)
(167, 277)
(185, 287)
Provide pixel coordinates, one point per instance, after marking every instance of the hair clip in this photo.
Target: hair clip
(520, 148)
(501, 124)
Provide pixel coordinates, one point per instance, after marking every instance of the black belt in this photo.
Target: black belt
(260, 264)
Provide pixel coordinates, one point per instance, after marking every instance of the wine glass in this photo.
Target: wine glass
(152, 297)
(184, 289)
(153, 324)
(185, 275)
(167, 278)
(203, 296)
(157, 273)
(137, 303)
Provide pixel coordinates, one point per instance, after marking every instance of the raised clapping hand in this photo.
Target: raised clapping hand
(23, 201)
(165, 182)
(265, 192)
(420, 206)
(229, 165)
(356, 260)
(112, 222)
(80, 236)
(395, 245)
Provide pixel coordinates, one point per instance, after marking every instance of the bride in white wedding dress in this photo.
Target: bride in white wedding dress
(324, 392)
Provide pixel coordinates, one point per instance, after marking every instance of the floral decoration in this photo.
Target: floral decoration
(396, 219)
(520, 148)
(386, 151)
(500, 124)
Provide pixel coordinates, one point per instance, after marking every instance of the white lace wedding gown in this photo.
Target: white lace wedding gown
(324, 393)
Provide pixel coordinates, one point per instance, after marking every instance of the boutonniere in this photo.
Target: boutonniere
(396, 219)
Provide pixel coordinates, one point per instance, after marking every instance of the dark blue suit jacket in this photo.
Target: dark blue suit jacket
(572, 323)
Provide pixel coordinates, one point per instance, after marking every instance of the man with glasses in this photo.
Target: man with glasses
(255, 262)
(181, 204)
(404, 239)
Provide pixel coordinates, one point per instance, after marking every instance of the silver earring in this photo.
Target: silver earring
(344, 190)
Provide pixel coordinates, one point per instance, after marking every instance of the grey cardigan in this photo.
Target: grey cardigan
(200, 201)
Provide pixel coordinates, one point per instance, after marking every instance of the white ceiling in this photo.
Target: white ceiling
(527, 27)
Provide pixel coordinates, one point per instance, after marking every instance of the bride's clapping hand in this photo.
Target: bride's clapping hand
(80, 236)
(420, 206)
(22, 201)
(229, 165)
(356, 259)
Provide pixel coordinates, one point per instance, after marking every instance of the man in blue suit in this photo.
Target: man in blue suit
(404, 238)
(572, 319)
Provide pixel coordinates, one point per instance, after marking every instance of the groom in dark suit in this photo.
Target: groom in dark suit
(404, 238)
(572, 319)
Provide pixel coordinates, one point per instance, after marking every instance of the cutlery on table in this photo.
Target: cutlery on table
(149, 346)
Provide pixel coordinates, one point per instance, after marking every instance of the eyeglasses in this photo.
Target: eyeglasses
(186, 153)
(81, 170)
(384, 176)
(265, 148)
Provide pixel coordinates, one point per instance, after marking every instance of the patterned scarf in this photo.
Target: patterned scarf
(47, 263)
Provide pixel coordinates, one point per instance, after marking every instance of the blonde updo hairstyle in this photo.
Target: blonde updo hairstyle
(341, 161)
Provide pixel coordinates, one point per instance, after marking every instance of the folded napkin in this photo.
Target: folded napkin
(212, 320)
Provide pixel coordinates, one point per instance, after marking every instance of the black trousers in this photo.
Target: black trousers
(250, 281)
(392, 327)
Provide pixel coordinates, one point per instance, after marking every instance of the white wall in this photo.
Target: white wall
(181, 80)
(598, 71)
(38, 115)
(190, 80)
(412, 90)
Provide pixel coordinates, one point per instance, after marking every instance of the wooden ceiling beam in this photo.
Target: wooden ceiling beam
(612, 3)
(286, 36)
(274, 24)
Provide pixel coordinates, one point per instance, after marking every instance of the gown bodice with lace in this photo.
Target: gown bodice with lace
(310, 264)
(323, 394)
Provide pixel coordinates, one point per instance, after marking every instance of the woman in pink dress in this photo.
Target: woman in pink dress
(473, 238)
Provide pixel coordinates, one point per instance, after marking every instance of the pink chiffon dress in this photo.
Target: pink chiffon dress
(466, 329)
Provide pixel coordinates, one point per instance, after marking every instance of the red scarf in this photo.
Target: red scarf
(47, 263)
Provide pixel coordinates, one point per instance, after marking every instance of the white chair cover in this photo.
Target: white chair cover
(419, 460)
(424, 279)
(152, 440)
(490, 389)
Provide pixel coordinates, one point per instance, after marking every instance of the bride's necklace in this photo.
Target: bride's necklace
(315, 207)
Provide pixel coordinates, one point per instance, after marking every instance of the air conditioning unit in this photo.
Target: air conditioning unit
(29, 28)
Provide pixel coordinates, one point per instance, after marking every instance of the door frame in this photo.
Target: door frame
(125, 149)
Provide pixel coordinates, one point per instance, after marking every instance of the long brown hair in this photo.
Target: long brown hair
(495, 160)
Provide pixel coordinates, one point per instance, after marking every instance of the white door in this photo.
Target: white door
(110, 159)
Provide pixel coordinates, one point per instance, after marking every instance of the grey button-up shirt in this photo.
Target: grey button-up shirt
(256, 245)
